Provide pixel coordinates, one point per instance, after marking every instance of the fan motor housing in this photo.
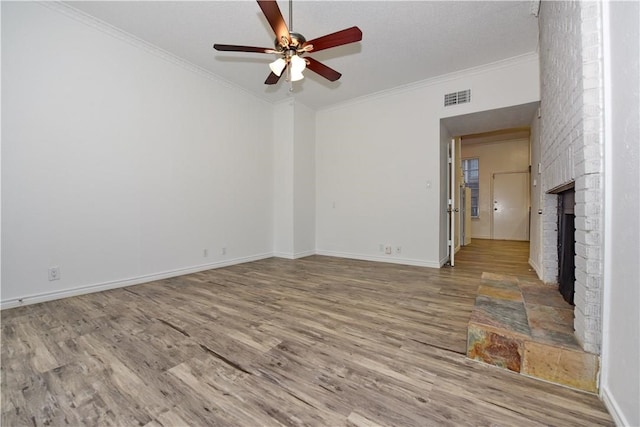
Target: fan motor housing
(297, 40)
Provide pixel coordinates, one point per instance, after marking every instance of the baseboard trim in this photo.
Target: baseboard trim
(104, 286)
(289, 255)
(612, 406)
(303, 254)
(536, 268)
(97, 287)
(285, 255)
(390, 259)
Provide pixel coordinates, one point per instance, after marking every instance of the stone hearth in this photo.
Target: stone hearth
(526, 327)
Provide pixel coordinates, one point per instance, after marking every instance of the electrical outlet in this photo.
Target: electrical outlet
(205, 253)
(224, 251)
(54, 273)
(387, 250)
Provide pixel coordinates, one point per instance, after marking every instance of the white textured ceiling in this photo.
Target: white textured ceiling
(403, 41)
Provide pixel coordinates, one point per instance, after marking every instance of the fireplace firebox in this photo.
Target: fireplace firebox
(566, 244)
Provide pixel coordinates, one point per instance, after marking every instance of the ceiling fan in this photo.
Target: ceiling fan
(291, 46)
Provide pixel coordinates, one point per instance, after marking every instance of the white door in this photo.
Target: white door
(466, 217)
(510, 206)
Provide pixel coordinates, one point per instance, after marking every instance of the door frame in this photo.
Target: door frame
(453, 198)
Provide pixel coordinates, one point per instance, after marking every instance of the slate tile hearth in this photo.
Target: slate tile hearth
(528, 328)
(502, 314)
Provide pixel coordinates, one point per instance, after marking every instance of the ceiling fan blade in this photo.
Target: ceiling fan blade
(273, 78)
(346, 36)
(274, 16)
(326, 72)
(234, 48)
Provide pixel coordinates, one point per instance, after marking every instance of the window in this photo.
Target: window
(470, 170)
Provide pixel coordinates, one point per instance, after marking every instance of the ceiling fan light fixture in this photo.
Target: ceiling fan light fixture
(296, 76)
(297, 64)
(277, 66)
(289, 46)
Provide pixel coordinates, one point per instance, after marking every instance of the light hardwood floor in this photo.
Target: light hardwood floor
(316, 341)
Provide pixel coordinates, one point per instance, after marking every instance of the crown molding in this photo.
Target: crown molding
(438, 80)
(115, 32)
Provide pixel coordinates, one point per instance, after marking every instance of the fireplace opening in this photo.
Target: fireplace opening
(566, 244)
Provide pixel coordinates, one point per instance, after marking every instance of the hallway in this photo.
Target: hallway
(496, 256)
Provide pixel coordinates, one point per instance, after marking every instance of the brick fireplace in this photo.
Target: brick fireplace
(567, 149)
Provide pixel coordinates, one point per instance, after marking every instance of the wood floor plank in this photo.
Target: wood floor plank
(316, 341)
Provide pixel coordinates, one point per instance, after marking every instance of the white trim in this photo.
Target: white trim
(289, 255)
(285, 255)
(303, 254)
(613, 408)
(480, 237)
(536, 268)
(607, 213)
(97, 287)
(410, 87)
(115, 32)
(443, 261)
(392, 260)
(104, 286)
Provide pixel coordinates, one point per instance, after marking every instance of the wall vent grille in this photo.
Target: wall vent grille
(455, 98)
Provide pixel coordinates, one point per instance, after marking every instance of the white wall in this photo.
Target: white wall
(119, 166)
(294, 180)
(499, 156)
(536, 197)
(375, 157)
(621, 344)
(372, 171)
(283, 157)
(304, 181)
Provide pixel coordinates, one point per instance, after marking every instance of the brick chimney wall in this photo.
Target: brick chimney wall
(571, 139)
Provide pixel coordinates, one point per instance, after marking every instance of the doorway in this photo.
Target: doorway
(481, 129)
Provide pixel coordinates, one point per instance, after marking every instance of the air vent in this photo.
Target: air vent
(455, 98)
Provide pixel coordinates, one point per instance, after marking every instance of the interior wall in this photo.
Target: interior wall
(119, 166)
(572, 129)
(294, 180)
(500, 156)
(537, 213)
(621, 344)
(283, 173)
(378, 162)
(304, 181)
